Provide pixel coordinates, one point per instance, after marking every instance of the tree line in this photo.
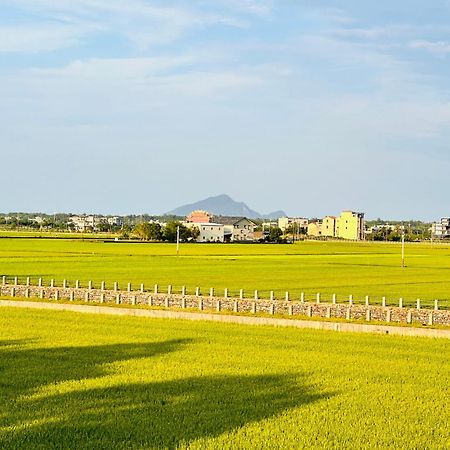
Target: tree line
(154, 231)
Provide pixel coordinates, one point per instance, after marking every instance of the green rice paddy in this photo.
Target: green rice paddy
(76, 381)
(328, 268)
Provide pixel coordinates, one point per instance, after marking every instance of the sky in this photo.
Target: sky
(309, 106)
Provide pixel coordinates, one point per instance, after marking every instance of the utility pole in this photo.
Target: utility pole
(403, 249)
(178, 239)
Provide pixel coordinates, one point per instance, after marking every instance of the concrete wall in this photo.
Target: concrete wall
(225, 304)
(243, 320)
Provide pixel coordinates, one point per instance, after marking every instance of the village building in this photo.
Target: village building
(441, 230)
(350, 226)
(84, 222)
(237, 229)
(298, 223)
(208, 231)
(199, 216)
(315, 228)
(91, 222)
(329, 226)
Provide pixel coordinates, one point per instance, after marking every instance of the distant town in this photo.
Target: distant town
(203, 226)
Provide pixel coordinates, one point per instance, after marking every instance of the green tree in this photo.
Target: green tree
(275, 234)
(195, 233)
(142, 230)
(104, 226)
(155, 231)
(186, 234)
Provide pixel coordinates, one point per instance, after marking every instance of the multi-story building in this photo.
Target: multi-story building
(237, 229)
(209, 231)
(329, 226)
(199, 216)
(315, 228)
(115, 221)
(91, 222)
(350, 225)
(84, 222)
(298, 222)
(220, 229)
(441, 230)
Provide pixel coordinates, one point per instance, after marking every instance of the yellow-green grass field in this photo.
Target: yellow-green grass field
(342, 268)
(84, 381)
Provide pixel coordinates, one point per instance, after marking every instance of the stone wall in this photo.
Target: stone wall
(215, 303)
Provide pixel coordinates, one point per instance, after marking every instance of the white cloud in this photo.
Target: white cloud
(256, 7)
(138, 21)
(35, 39)
(438, 47)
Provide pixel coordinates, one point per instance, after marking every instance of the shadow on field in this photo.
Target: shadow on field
(162, 414)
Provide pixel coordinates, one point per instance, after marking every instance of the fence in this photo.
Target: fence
(227, 303)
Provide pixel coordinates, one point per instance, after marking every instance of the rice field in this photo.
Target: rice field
(329, 268)
(80, 381)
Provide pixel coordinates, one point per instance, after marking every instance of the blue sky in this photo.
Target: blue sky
(308, 106)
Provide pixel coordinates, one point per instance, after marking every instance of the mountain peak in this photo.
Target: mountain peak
(221, 205)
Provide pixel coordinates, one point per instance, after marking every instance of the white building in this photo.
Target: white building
(209, 232)
(441, 229)
(299, 222)
(115, 221)
(238, 229)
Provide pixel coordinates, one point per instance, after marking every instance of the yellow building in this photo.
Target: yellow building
(315, 229)
(329, 226)
(350, 225)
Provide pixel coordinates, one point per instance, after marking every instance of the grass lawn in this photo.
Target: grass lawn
(79, 381)
(343, 268)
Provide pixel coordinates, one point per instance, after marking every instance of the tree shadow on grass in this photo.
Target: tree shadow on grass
(162, 414)
(23, 370)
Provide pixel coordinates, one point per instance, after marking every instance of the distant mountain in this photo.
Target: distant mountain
(222, 205)
(274, 215)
